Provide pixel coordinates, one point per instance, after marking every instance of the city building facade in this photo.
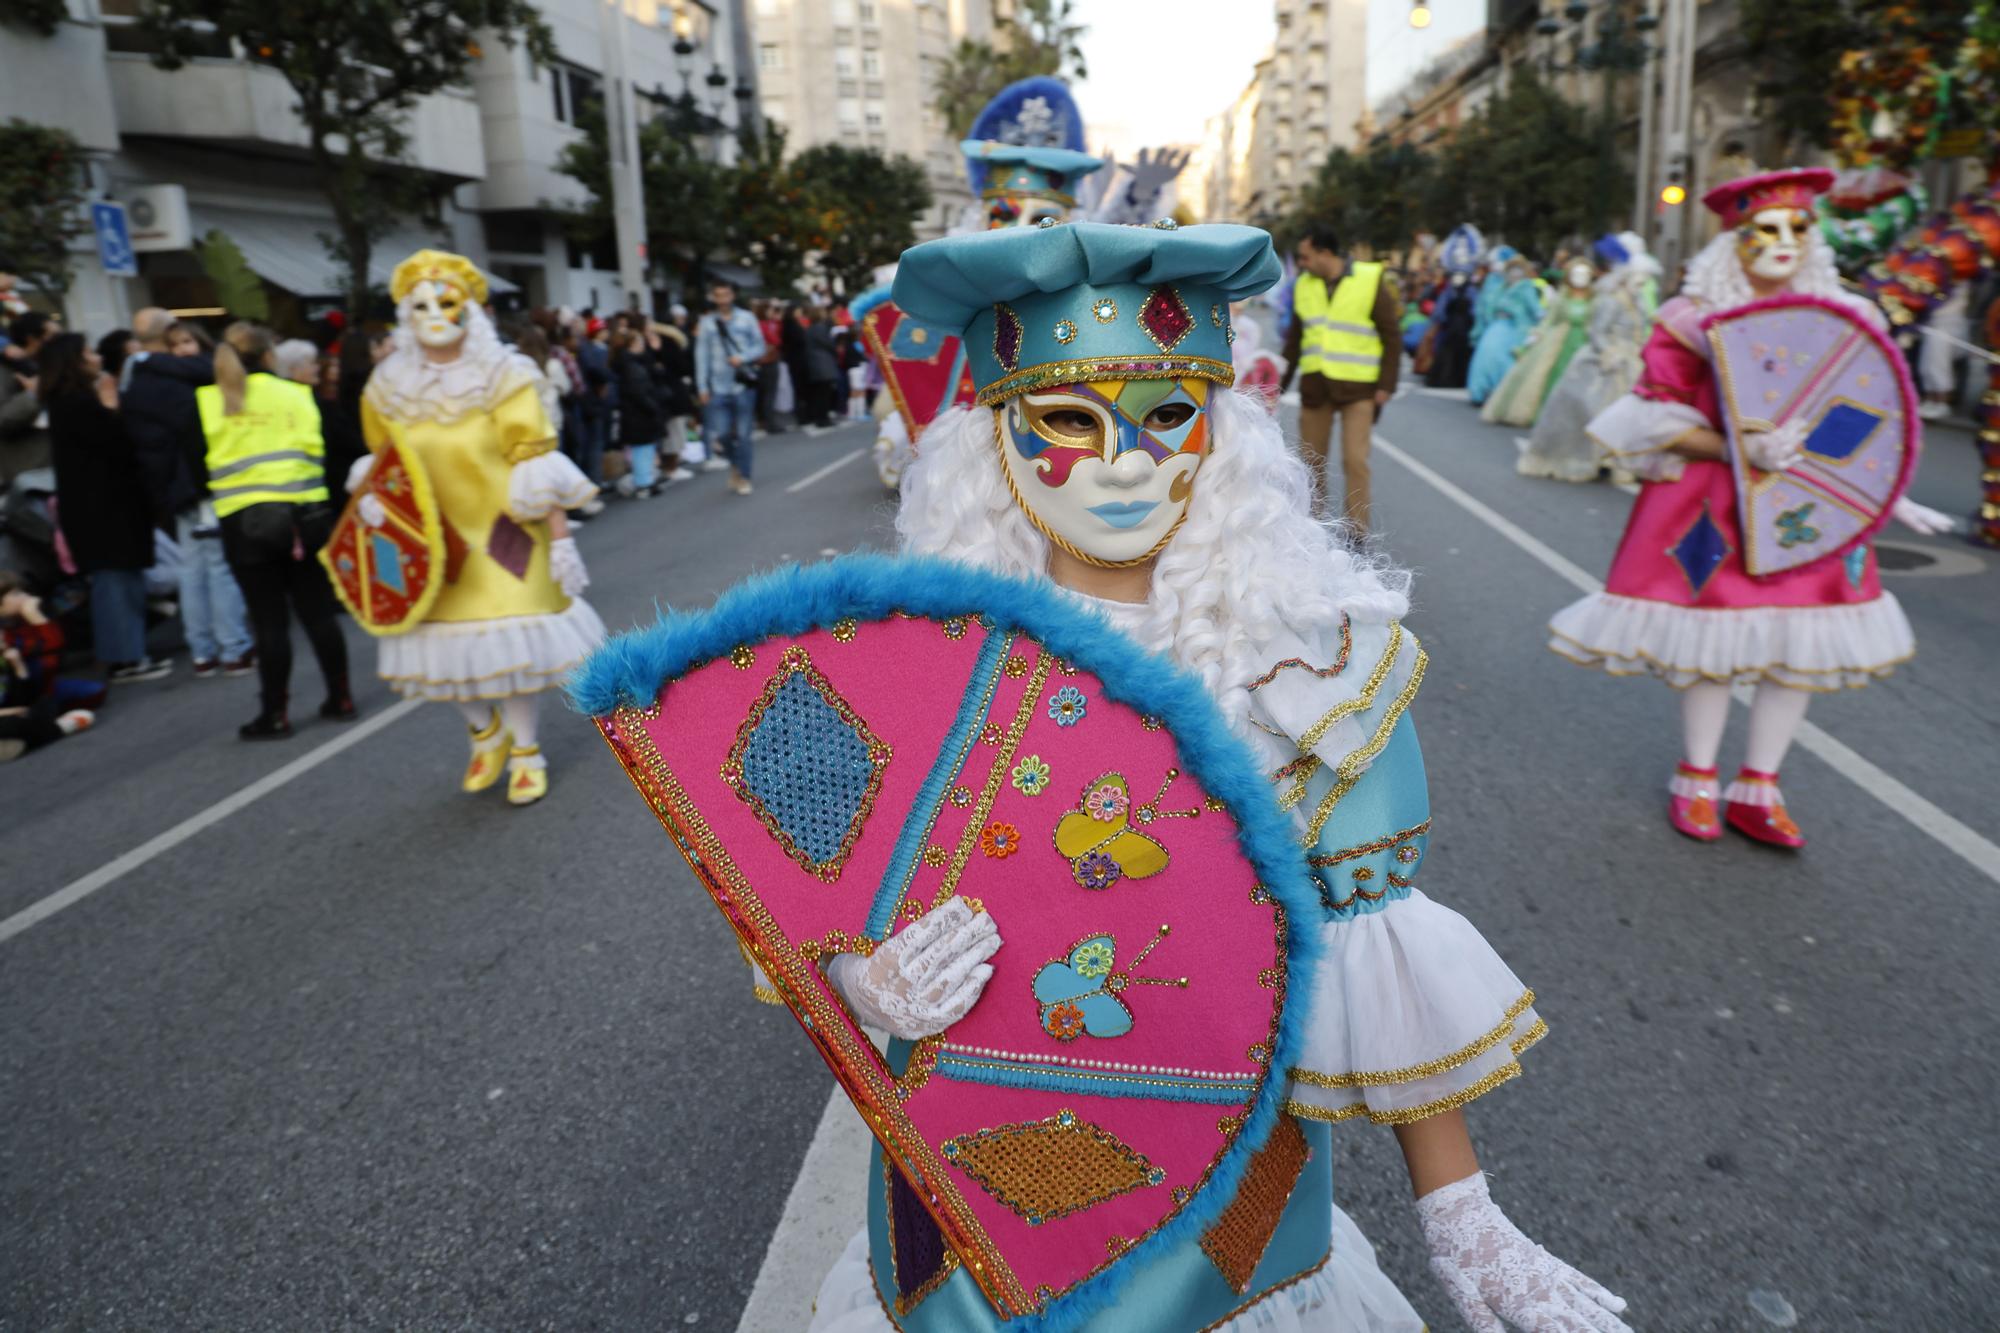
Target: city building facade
(216, 146)
(861, 73)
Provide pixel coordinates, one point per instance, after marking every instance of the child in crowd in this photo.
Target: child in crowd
(37, 706)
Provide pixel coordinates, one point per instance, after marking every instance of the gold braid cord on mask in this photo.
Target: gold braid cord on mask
(1056, 538)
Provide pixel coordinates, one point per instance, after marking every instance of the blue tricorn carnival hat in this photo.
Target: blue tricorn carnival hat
(1055, 304)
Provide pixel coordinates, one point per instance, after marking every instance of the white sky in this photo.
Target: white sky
(1160, 68)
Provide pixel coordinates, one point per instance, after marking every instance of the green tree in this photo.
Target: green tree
(357, 67)
(1530, 168)
(39, 16)
(41, 203)
(867, 205)
(1372, 198)
(237, 289)
(1043, 37)
(1796, 50)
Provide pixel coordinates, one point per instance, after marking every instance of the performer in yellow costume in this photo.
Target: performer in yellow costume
(509, 622)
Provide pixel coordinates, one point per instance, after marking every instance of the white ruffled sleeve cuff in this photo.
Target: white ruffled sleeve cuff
(1413, 1015)
(1638, 432)
(538, 486)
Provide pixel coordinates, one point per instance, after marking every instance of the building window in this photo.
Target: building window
(770, 56)
(873, 116)
(774, 109)
(871, 64)
(768, 9)
(844, 61)
(843, 11)
(575, 92)
(866, 10)
(850, 115)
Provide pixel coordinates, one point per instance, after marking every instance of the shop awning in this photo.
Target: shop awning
(284, 249)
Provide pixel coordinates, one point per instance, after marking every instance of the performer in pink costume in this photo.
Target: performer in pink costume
(1678, 603)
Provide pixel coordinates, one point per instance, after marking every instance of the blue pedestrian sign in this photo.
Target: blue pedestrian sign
(114, 240)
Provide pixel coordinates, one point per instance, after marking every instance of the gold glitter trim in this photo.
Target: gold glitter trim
(1235, 1242)
(996, 777)
(828, 1024)
(1444, 1064)
(1314, 734)
(1306, 1111)
(1173, 294)
(1081, 369)
(1379, 845)
(1351, 768)
(1338, 665)
(1098, 310)
(1052, 1167)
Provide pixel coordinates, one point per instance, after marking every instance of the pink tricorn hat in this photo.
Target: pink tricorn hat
(1744, 198)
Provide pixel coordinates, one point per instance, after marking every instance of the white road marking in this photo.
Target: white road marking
(113, 871)
(1982, 855)
(825, 1206)
(824, 472)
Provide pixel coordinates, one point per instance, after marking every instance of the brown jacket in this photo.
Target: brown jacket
(1319, 391)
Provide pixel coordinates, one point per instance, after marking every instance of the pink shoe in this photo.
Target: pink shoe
(1691, 805)
(1757, 810)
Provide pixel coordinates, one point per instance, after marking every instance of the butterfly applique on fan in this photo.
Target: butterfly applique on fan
(1098, 837)
(1079, 993)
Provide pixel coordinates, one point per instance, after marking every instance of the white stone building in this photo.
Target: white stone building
(216, 145)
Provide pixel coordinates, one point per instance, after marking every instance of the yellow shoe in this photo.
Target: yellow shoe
(530, 782)
(489, 749)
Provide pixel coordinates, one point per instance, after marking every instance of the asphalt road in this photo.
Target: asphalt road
(368, 1053)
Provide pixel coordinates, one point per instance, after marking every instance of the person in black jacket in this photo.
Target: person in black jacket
(640, 421)
(824, 380)
(156, 398)
(101, 503)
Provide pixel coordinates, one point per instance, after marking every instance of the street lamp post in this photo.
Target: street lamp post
(628, 206)
(1618, 46)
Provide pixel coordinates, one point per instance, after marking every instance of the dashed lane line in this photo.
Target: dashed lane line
(1981, 854)
(824, 472)
(112, 871)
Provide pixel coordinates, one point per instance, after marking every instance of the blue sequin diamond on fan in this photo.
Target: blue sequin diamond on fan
(808, 766)
(1701, 551)
(1844, 428)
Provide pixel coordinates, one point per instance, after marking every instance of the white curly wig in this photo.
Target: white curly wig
(1249, 561)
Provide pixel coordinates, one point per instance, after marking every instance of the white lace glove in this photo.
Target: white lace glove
(1922, 518)
(371, 510)
(923, 979)
(1776, 450)
(357, 475)
(566, 567)
(1493, 1272)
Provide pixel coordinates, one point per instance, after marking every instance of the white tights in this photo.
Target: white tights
(1775, 715)
(521, 713)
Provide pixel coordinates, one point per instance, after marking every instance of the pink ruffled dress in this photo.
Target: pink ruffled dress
(1678, 603)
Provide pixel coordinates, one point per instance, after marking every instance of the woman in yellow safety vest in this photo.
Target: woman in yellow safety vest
(267, 479)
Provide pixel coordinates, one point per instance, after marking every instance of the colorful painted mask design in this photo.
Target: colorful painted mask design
(438, 314)
(1772, 243)
(1106, 469)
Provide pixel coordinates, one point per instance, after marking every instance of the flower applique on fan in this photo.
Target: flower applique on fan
(1079, 993)
(1098, 838)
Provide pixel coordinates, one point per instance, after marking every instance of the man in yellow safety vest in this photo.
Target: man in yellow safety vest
(1346, 345)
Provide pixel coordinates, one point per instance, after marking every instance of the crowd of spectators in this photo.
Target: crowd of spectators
(110, 453)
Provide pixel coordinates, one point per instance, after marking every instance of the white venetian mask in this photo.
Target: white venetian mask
(1772, 244)
(437, 314)
(1106, 469)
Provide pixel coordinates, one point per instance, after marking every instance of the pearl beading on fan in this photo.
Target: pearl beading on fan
(1115, 1066)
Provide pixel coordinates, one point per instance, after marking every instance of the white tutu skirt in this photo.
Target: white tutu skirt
(489, 659)
(1349, 1294)
(1804, 647)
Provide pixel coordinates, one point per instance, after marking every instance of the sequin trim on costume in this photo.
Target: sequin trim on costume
(1235, 1242)
(1045, 1169)
(807, 765)
(1444, 1064)
(1334, 668)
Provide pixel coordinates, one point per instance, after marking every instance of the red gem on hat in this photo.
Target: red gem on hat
(1739, 200)
(1006, 337)
(1166, 318)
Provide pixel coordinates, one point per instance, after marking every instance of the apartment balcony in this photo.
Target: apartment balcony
(238, 103)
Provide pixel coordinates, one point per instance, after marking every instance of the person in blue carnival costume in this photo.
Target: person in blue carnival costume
(1454, 315)
(1026, 163)
(1107, 454)
(1513, 314)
